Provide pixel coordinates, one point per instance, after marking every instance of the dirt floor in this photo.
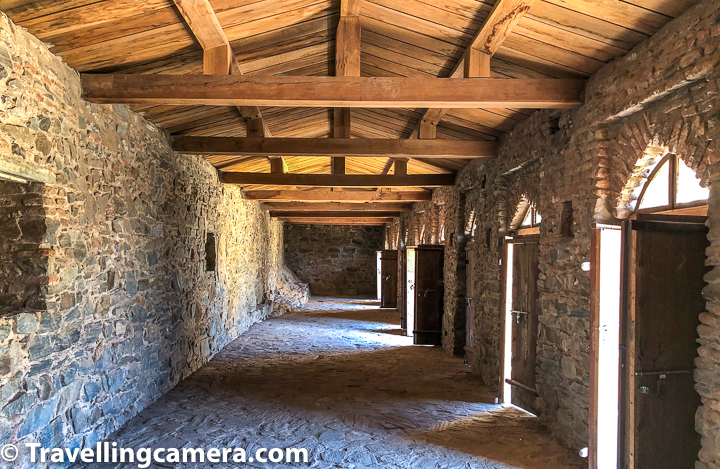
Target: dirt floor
(339, 379)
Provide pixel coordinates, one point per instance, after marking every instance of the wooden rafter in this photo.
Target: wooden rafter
(218, 59)
(338, 180)
(336, 147)
(380, 92)
(347, 64)
(354, 196)
(475, 62)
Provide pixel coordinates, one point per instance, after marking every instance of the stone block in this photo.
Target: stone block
(38, 417)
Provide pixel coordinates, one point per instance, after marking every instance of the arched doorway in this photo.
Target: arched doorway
(648, 281)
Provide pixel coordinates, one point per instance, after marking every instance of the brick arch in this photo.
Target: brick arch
(627, 152)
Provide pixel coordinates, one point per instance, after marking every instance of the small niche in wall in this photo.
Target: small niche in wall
(566, 220)
(210, 253)
(488, 238)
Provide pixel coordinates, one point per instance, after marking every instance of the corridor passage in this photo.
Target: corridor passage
(338, 379)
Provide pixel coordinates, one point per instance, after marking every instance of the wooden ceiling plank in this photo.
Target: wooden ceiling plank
(338, 180)
(622, 14)
(334, 147)
(331, 91)
(588, 26)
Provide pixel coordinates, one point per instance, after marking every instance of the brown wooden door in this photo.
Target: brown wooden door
(389, 264)
(524, 323)
(429, 295)
(663, 277)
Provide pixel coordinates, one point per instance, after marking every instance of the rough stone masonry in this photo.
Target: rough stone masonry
(108, 296)
(334, 260)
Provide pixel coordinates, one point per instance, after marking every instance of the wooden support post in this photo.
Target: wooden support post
(401, 166)
(347, 64)
(217, 61)
(428, 130)
(277, 165)
(477, 64)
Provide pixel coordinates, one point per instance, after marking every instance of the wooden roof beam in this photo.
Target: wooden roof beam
(348, 196)
(218, 59)
(313, 207)
(357, 147)
(294, 91)
(338, 180)
(338, 221)
(475, 61)
(333, 214)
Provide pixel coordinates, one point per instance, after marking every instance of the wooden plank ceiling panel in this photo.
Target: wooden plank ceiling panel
(404, 38)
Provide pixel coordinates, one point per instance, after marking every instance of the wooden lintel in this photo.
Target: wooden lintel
(333, 214)
(338, 180)
(314, 91)
(350, 196)
(359, 147)
(330, 206)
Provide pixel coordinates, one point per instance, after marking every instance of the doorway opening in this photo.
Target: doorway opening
(378, 274)
(409, 291)
(648, 279)
(520, 312)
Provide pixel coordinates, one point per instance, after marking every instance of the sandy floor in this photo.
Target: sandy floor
(338, 379)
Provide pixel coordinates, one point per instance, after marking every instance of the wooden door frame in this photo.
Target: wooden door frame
(521, 239)
(593, 410)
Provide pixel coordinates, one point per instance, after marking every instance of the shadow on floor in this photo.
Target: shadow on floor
(351, 391)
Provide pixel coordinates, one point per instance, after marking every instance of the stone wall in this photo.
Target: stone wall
(661, 97)
(106, 299)
(334, 260)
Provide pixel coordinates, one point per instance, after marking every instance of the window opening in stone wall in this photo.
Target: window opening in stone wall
(210, 253)
(527, 219)
(24, 262)
(672, 187)
(566, 220)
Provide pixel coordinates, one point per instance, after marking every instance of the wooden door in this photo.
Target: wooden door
(663, 282)
(429, 295)
(524, 323)
(469, 303)
(389, 261)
